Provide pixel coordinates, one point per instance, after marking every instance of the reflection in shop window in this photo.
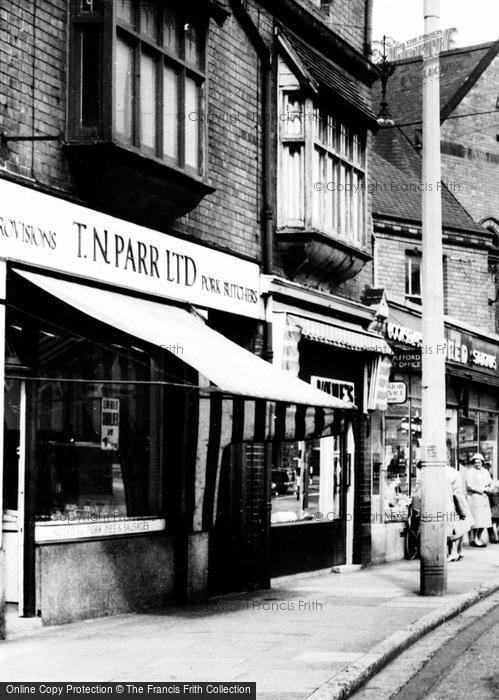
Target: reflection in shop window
(402, 453)
(98, 422)
(478, 433)
(307, 481)
(93, 451)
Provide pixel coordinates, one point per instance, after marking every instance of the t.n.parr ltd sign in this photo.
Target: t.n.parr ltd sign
(57, 235)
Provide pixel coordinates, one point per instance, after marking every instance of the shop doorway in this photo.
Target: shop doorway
(312, 522)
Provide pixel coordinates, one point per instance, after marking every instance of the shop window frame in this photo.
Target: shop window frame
(99, 20)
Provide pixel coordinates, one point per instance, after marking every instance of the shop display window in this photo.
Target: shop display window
(402, 452)
(478, 433)
(403, 424)
(94, 451)
(92, 413)
(307, 481)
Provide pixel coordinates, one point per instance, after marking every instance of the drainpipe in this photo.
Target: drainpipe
(368, 34)
(264, 53)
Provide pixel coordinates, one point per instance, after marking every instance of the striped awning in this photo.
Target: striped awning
(348, 338)
(240, 397)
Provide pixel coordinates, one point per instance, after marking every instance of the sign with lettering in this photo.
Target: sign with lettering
(110, 424)
(94, 526)
(335, 387)
(57, 235)
(397, 392)
(459, 347)
(406, 361)
(428, 45)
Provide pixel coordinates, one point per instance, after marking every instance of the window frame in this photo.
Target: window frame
(316, 184)
(104, 21)
(411, 256)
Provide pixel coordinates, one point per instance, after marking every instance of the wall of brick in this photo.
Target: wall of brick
(344, 18)
(468, 283)
(32, 89)
(33, 97)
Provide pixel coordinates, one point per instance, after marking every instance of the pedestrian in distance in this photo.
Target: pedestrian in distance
(458, 514)
(478, 485)
(494, 508)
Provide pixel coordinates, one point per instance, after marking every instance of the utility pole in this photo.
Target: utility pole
(434, 484)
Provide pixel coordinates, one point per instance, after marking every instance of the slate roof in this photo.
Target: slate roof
(395, 180)
(459, 70)
(330, 77)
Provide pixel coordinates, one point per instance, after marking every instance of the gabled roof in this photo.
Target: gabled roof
(323, 75)
(459, 71)
(396, 185)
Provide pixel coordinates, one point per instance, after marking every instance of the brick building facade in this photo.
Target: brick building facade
(469, 145)
(469, 252)
(87, 132)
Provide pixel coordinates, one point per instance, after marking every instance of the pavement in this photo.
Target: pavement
(314, 636)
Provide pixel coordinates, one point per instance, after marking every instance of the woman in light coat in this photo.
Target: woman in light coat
(478, 484)
(458, 515)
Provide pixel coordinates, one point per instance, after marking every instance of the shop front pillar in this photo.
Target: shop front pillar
(197, 567)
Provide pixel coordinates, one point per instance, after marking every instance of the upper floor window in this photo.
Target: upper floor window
(321, 168)
(413, 278)
(137, 78)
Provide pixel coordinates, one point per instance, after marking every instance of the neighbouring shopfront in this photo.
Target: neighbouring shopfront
(118, 406)
(316, 521)
(472, 413)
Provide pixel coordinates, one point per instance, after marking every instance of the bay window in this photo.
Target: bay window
(137, 71)
(322, 170)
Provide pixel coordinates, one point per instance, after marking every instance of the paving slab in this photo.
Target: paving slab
(316, 636)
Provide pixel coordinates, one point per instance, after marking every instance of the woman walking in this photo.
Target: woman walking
(458, 515)
(478, 484)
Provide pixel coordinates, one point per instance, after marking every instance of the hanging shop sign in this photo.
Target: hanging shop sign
(406, 360)
(57, 235)
(397, 392)
(377, 387)
(335, 387)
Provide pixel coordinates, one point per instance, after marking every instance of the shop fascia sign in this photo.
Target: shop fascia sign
(335, 387)
(60, 236)
(459, 347)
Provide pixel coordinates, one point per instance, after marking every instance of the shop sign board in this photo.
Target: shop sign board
(59, 236)
(397, 392)
(459, 348)
(335, 387)
(406, 361)
(94, 526)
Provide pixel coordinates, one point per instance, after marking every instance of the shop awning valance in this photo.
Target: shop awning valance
(341, 337)
(255, 401)
(227, 365)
